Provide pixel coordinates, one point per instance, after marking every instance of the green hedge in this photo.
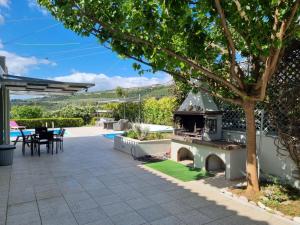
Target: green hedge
(159, 111)
(58, 122)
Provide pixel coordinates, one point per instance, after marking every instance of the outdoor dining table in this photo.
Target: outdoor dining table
(33, 138)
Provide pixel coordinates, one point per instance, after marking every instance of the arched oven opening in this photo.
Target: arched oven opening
(214, 164)
(185, 157)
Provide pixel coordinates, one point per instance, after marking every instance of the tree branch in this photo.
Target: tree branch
(273, 59)
(183, 77)
(230, 42)
(137, 40)
(240, 10)
(206, 72)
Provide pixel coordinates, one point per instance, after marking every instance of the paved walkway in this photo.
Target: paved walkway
(90, 183)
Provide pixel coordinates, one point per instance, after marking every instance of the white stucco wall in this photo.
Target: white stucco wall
(270, 161)
(142, 148)
(234, 160)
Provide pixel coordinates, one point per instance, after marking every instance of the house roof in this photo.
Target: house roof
(29, 85)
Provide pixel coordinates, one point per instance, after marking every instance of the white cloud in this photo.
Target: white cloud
(34, 5)
(18, 65)
(2, 20)
(4, 3)
(104, 82)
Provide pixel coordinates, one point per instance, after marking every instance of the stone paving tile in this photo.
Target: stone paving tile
(3, 199)
(140, 203)
(2, 215)
(153, 213)
(234, 220)
(160, 198)
(131, 194)
(22, 208)
(117, 208)
(92, 183)
(26, 218)
(53, 207)
(21, 197)
(90, 215)
(194, 217)
(73, 197)
(181, 193)
(61, 220)
(100, 192)
(108, 199)
(175, 207)
(171, 220)
(196, 202)
(131, 218)
(216, 211)
(82, 205)
(105, 221)
(149, 190)
(47, 193)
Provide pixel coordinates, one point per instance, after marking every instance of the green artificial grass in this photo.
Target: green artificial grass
(177, 170)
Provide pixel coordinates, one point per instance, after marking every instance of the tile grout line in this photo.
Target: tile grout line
(38, 208)
(69, 208)
(96, 201)
(9, 184)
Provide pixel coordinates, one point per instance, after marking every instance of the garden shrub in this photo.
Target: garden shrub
(26, 112)
(85, 112)
(152, 110)
(58, 122)
(159, 111)
(143, 134)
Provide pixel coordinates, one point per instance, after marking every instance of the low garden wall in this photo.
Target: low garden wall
(141, 148)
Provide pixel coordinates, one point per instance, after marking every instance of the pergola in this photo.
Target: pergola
(11, 84)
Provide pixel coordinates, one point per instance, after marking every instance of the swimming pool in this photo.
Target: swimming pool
(16, 133)
(111, 136)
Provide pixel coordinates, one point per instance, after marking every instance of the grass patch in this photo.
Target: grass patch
(178, 171)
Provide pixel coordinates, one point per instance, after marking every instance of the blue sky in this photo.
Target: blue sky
(37, 45)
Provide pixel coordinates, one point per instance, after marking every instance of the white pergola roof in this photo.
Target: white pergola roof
(28, 85)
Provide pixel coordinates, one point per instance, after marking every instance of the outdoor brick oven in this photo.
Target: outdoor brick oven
(198, 138)
(199, 117)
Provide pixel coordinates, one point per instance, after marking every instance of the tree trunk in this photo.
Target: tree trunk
(252, 171)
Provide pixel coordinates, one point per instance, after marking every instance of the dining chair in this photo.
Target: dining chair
(26, 140)
(59, 140)
(44, 138)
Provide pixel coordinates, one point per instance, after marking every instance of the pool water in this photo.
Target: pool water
(16, 133)
(111, 136)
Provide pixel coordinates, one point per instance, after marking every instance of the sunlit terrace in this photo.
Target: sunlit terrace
(91, 183)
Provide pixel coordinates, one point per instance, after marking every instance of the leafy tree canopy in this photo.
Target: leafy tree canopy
(203, 39)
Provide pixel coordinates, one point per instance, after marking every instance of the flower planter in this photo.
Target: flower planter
(138, 148)
(6, 154)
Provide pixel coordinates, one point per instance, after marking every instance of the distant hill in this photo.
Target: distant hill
(84, 98)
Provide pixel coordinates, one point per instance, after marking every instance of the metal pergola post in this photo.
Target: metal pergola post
(4, 107)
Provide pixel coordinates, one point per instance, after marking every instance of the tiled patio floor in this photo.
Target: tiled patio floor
(90, 183)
